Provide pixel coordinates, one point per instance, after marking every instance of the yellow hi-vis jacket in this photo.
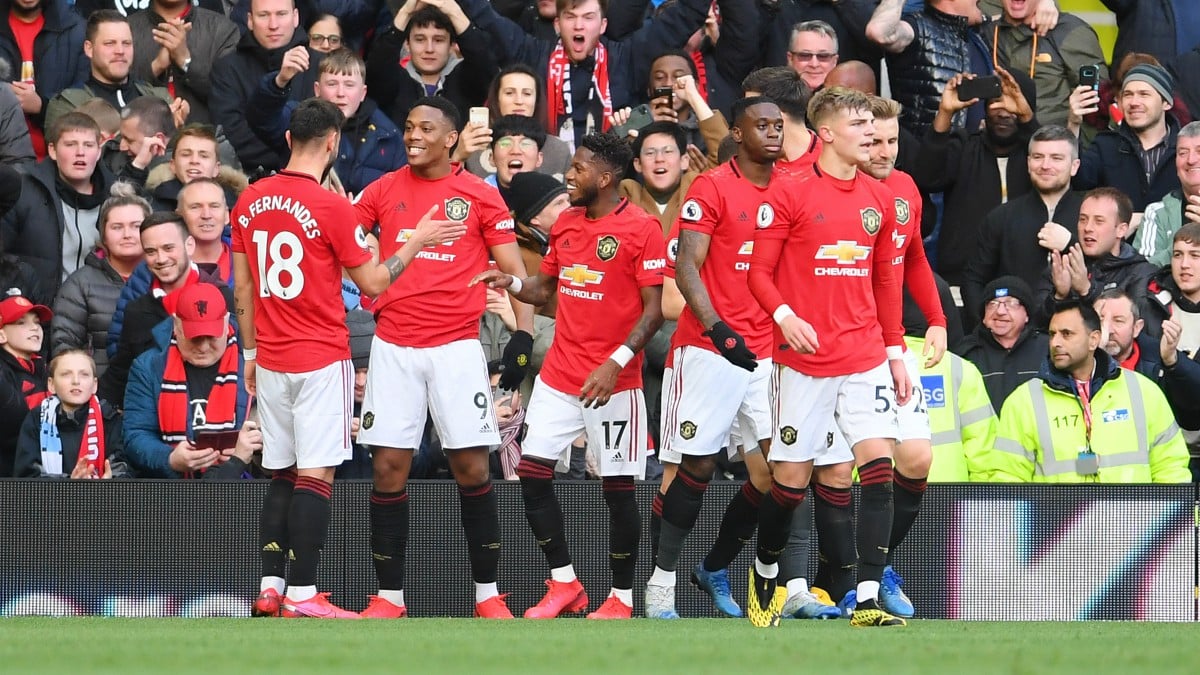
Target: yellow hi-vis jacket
(962, 423)
(1043, 431)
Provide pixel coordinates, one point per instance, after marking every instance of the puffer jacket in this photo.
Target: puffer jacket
(1111, 160)
(84, 308)
(940, 50)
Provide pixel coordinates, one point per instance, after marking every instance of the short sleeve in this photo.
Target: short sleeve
(347, 239)
(652, 256)
(494, 219)
(701, 207)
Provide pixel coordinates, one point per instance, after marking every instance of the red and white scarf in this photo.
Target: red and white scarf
(91, 444)
(174, 402)
(558, 79)
(171, 300)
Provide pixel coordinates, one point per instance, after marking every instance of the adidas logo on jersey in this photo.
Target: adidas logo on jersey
(486, 428)
(742, 217)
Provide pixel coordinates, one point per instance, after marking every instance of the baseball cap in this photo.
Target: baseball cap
(202, 310)
(16, 306)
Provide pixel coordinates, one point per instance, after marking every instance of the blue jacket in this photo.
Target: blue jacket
(58, 57)
(144, 447)
(361, 158)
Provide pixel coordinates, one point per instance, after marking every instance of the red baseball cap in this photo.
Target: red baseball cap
(202, 310)
(15, 306)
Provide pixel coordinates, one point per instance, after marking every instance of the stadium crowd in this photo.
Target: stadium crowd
(1051, 333)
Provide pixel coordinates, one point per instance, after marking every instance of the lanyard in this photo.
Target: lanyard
(1083, 395)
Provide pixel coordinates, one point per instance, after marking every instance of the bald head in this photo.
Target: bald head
(852, 75)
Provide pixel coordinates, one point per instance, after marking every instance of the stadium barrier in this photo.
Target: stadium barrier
(980, 552)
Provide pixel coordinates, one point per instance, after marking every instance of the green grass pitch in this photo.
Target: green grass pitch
(569, 646)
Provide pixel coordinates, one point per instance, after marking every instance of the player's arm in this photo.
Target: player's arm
(918, 278)
(768, 247)
(889, 308)
(243, 304)
(693, 251)
(508, 259)
(672, 300)
(598, 386)
(374, 278)
(519, 351)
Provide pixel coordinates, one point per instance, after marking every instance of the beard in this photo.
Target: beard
(587, 197)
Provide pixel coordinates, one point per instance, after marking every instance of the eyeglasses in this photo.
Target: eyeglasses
(823, 57)
(508, 142)
(333, 40)
(654, 153)
(1007, 303)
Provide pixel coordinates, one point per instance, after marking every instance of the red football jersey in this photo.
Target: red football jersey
(297, 237)
(724, 205)
(909, 255)
(431, 304)
(600, 267)
(820, 256)
(804, 161)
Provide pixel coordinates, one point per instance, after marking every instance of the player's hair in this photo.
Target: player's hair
(194, 130)
(727, 149)
(431, 16)
(1057, 132)
(610, 149)
(342, 61)
(72, 121)
(671, 129)
(884, 108)
(539, 87)
(448, 109)
(740, 106)
(833, 100)
(758, 78)
(152, 114)
(1121, 294)
(1124, 205)
(195, 182)
(1091, 319)
(163, 218)
(74, 351)
(518, 125)
(123, 193)
(314, 119)
(687, 58)
(561, 6)
(107, 117)
(1188, 234)
(784, 86)
(102, 16)
(814, 26)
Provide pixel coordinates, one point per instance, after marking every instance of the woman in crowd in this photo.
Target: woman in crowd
(517, 90)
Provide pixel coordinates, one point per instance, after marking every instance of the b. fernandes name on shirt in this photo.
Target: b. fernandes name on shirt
(290, 206)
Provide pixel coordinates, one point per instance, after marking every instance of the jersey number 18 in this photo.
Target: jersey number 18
(270, 277)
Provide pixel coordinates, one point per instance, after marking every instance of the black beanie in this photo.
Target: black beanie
(530, 192)
(1007, 286)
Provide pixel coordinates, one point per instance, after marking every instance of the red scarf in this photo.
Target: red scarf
(173, 399)
(558, 82)
(701, 74)
(170, 300)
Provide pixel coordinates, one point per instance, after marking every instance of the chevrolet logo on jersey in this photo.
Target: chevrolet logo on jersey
(845, 252)
(747, 248)
(902, 212)
(580, 275)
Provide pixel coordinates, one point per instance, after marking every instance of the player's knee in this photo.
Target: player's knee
(390, 469)
(759, 472)
(469, 467)
(700, 466)
(914, 457)
(669, 471)
(835, 475)
(792, 474)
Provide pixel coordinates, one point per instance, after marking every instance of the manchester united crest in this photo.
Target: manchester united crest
(606, 248)
(368, 420)
(902, 213)
(787, 435)
(457, 208)
(871, 219)
(687, 430)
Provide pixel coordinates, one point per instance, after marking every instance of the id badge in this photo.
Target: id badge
(1087, 463)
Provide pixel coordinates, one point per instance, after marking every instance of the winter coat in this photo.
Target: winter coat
(58, 57)
(162, 187)
(1180, 383)
(211, 36)
(22, 386)
(83, 310)
(1127, 271)
(70, 99)
(1111, 161)
(16, 148)
(1003, 369)
(28, 462)
(1145, 26)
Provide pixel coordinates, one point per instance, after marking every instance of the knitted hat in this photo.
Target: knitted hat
(1155, 76)
(530, 192)
(1008, 286)
(362, 330)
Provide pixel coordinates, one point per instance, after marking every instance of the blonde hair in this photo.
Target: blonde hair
(832, 100)
(884, 108)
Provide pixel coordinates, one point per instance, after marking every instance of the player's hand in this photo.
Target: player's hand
(1078, 268)
(493, 278)
(187, 457)
(1054, 237)
(31, 102)
(295, 61)
(1044, 18)
(935, 345)
(950, 103)
(248, 371)
(732, 346)
(517, 354)
(900, 380)
(180, 109)
(1060, 274)
(432, 231)
(598, 386)
(249, 441)
(1168, 347)
(800, 335)
(697, 161)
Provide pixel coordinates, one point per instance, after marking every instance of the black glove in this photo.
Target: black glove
(516, 360)
(732, 346)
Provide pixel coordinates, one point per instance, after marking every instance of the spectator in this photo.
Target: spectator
(1159, 360)
(1006, 346)
(146, 128)
(357, 18)
(151, 296)
(53, 225)
(536, 201)
(274, 41)
(1109, 115)
(588, 75)
(195, 154)
(127, 7)
(202, 206)
(848, 18)
(1135, 158)
(14, 273)
(977, 170)
(517, 90)
(1114, 426)
(85, 304)
(108, 44)
(16, 148)
(1099, 261)
(1052, 60)
(429, 31)
(71, 434)
(362, 332)
(325, 34)
(370, 145)
(661, 161)
(813, 52)
(1017, 236)
(175, 44)
(1163, 219)
(107, 117)
(517, 143)
(22, 371)
(511, 417)
(1163, 28)
(187, 384)
(724, 50)
(784, 86)
(41, 40)
(705, 127)
(352, 295)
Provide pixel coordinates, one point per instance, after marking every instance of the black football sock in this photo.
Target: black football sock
(624, 529)
(681, 505)
(774, 520)
(875, 518)
(655, 525)
(906, 508)
(389, 537)
(481, 524)
(308, 522)
(273, 522)
(737, 527)
(543, 511)
(793, 564)
(837, 571)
